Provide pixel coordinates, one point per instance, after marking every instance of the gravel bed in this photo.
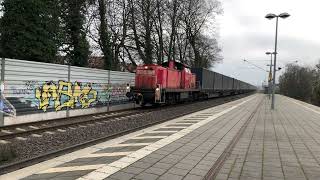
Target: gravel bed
(35, 146)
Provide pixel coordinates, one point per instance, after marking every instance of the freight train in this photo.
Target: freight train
(174, 82)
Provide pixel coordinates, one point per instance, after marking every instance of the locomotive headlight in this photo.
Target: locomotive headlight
(157, 94)
(128, 89)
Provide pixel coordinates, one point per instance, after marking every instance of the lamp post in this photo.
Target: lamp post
(272, 16)
(270, 74)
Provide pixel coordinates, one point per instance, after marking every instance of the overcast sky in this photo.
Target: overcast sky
(246, 34)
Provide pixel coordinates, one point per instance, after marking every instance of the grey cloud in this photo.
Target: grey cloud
(255, 45)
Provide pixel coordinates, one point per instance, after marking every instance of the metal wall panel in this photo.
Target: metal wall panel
(40, 88)
(22, 78)
(119, 81)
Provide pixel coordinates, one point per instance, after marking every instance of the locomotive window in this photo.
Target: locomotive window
(146, 72)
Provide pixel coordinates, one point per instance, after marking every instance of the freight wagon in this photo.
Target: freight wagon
(213, 84)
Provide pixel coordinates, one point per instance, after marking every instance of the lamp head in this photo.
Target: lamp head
(284, 15)
(270, 16)
(268, 53)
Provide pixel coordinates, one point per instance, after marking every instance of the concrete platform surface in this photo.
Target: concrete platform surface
(243, 139)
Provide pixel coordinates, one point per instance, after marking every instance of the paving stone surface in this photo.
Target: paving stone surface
(192, 156)
(279, 144)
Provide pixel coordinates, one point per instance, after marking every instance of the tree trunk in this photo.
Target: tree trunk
(160, 33)
(104, 36)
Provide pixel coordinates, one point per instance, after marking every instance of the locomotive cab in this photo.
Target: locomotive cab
(149, 79)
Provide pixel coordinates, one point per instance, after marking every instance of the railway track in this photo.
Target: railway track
(23, 130)
(94, 121)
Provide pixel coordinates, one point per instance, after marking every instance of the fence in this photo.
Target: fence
(33, 91)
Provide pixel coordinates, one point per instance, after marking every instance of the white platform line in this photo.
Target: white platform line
(183, 123)
(149, 137)
(186, 120)
(74, 168)
(108, 154)
(163, 131)
(131, 144)
(101, 173)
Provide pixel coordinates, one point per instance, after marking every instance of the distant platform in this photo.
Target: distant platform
(242, 139)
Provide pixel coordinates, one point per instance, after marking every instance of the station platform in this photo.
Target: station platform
(242, 139)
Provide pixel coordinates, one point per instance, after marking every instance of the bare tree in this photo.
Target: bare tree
(159, 22)
(109, 31)
(150, 31)
(142, 24)
(104, 36)
(197, 13)
(174, 18)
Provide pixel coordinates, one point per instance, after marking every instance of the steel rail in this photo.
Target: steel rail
(67, 125)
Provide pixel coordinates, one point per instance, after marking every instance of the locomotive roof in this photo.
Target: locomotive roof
(178, 64)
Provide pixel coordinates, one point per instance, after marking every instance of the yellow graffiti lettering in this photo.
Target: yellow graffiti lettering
(44, 94)
(85, 98)
(66, 95)
(65, 88)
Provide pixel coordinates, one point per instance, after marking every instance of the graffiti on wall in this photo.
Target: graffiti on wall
(28, 97)
(65, 95)
(111, 93)
(5, 106)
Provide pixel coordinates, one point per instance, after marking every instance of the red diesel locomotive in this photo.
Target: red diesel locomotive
(167, 83)
(173, 82)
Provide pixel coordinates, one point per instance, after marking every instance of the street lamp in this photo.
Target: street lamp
(270, 17)
(270, 73)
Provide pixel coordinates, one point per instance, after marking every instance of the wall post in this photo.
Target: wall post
(69, 79)
(109, 74)
(2, 91)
